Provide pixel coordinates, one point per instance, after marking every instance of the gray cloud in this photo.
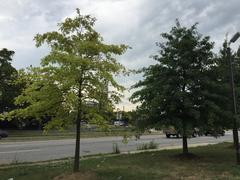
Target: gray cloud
(137, 23)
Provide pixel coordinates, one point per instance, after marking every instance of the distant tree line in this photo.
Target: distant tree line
(12, 84)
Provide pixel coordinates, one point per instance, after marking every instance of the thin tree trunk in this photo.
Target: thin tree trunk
(78, 128)
(184, 139)
(234, 137)
(185, 144)
(236, 143)
(77, 146)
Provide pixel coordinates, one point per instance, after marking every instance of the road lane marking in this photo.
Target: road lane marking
(20, 151)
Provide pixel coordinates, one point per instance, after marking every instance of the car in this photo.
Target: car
(171, 131)
(82, 122)
(214, 132)
(119, 123)
(3, 134)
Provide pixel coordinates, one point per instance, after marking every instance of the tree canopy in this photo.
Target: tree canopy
(173, 90)
(8, 75)
(76, 79)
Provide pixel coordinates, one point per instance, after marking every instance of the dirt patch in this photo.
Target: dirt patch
(188, 156)
(232, 146)
(77, 176)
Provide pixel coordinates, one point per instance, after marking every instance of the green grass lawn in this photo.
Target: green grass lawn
(30, 135)
(211, 162)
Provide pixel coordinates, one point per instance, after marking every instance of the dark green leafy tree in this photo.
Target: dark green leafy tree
(8, 75)
(219, 89)
(76, 79)
(172, 92)
(228, 117)
(11, 85)
(217, 107)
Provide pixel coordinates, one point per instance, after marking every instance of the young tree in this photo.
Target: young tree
(171, 92)
(76, 79)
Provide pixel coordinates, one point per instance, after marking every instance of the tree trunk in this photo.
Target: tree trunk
(234, 137)
(185, 144)
(77, 146)
(236, 143)
(184, 139)
(78, 128)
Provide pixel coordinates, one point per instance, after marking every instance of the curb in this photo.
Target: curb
(167, 148)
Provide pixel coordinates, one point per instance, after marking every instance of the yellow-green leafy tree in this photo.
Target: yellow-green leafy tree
(75, 81)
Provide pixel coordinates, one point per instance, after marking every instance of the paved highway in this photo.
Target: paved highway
(54, 149)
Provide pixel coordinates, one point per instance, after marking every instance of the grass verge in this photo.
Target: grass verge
(35, 135)
(209, 162)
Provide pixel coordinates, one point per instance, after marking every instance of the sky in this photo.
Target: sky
(137, 23)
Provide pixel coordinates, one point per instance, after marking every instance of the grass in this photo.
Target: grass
(34, 135)
(150, 145)
(210, 162)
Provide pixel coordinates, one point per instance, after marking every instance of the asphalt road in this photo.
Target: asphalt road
(33, 151)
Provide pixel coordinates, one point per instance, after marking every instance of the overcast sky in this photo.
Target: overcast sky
(137, 23)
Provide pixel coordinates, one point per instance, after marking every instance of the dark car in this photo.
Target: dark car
(3, 134)
(171, 131)
(214, 132)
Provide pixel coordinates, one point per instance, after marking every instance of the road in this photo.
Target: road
(33, 151)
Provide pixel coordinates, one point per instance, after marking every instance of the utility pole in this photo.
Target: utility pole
(233, 92)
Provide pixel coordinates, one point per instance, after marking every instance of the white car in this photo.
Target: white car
(118, 123)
